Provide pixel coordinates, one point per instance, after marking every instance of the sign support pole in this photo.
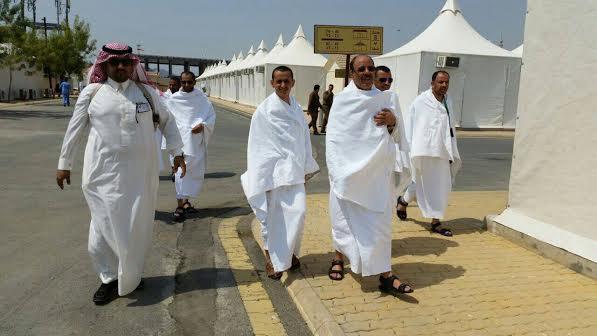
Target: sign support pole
(346, 70)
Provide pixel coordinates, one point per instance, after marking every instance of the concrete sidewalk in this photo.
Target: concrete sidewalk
(474, 283)
(4, 106)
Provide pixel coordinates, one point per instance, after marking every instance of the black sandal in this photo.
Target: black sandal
(386, 285)
(179, 215)
(331, 271)
(189, 209)
(441, 231)
(296, 263)
(401, 213)
(271, 273)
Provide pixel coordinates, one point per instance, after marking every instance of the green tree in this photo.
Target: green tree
(68, 49)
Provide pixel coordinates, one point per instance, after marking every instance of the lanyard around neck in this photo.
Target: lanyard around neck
(449, 122)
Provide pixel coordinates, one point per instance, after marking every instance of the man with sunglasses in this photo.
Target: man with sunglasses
(383, 78)
(120, 173)
(195, 118)
(383, 82)
(360, 155)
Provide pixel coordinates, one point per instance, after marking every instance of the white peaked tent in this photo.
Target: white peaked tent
(278, 47)
(305, 64)
(518, 51)
(484, 84)
(255, 76)
(553, 181)
(245, 91)
(230, 86)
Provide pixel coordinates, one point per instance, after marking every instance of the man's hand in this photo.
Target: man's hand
(62, 175)
(197, 129)
(179, 163)
(385, 117)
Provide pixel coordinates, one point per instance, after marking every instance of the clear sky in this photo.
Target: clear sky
(217, 29)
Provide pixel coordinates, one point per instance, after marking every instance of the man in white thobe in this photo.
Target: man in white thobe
(361, 155)
(195, 118)
(434, 152)
(383, 82)
(173, 86)
(279, 161)
(120, 175)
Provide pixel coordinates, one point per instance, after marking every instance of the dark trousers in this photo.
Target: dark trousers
(326, 114)
(66, 99)
(313, 122)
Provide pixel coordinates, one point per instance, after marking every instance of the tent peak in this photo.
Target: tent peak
(251, 51)
(262, 46)
(451, 6)
(299, 32)
(280, 40)
(240, 55)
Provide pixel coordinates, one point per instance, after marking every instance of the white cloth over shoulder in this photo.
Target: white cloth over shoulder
(402, 145)
(361, 159)
(433, 148)
(430, 131)
(360, 155)
(191, 109)
(120, 175)
(279, 151)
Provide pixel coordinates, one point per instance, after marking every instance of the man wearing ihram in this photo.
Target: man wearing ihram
(279, 162)
(361, 155)
(120, 170)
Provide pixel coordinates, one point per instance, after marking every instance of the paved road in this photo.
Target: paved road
(47, 281)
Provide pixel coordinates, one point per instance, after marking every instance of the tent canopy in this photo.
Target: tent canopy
(298, 52)
(450, 33)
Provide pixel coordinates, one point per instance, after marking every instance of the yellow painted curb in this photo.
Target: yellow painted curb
(318, 317)
(262, 315)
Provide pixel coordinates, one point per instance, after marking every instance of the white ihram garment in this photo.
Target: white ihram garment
(279, 156)
(361, 160)
(120, 175)
(432, 149)
(189, 110)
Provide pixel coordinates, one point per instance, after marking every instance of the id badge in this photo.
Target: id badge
(142, 107)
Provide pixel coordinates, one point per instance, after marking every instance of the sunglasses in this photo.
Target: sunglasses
(186, 82)
(363, 68)
(123, 61)
(389, 80)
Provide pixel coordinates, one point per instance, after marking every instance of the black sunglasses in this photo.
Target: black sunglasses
(389, 80)
(362, 68)
(124, 61)
(186, 82)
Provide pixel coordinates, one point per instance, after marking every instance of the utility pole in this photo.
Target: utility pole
(22, 10)
(58, 4)
(47, 69)
(67, 10)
